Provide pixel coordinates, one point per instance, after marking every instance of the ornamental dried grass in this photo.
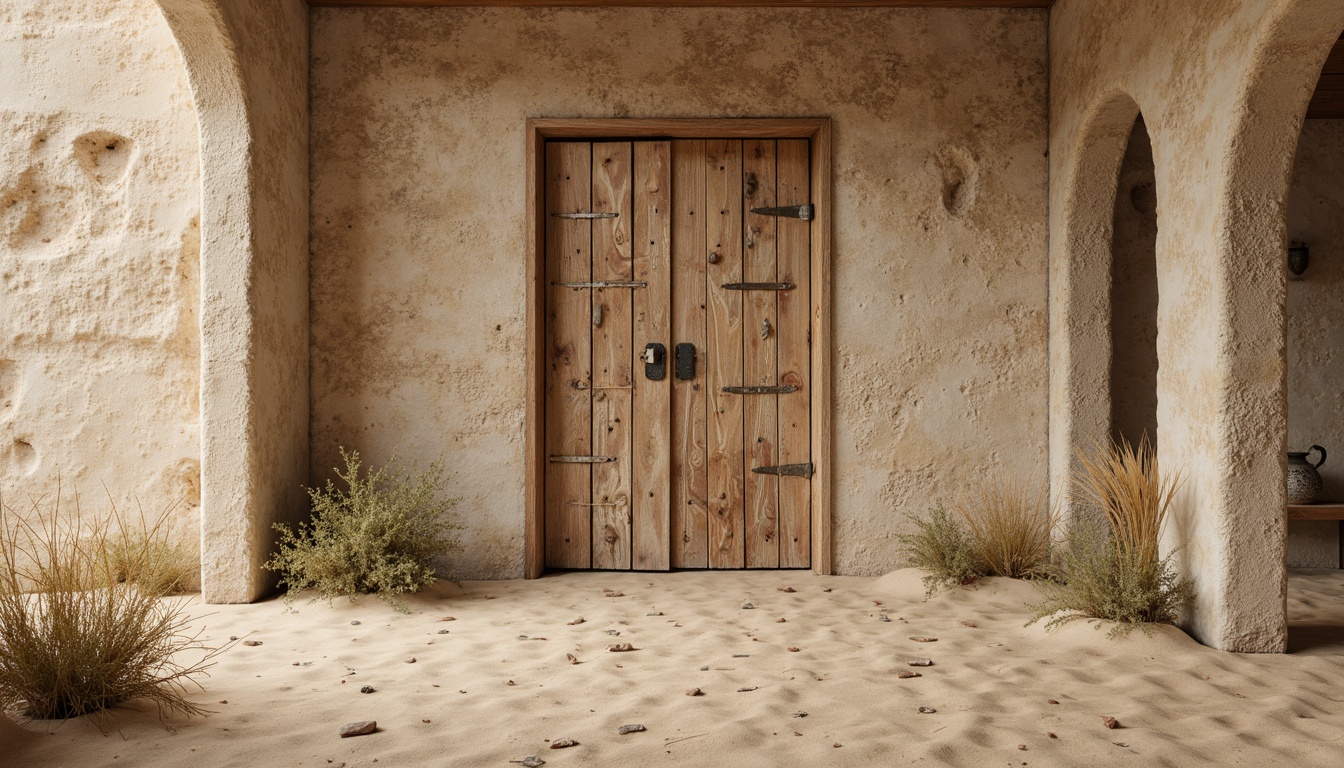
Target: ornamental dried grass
(1111, 568)
(376, 536)
(76, 640)
(1010, 526)
(942, 548)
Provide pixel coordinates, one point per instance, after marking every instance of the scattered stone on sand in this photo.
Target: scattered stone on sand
(354, 623)
(1119, 743)
(235, 637)
(367, 689)
(748, 689)
(1051, 701)
(705, 668)
(522, 637)
(906, 675)
(443, 631)
(426, 721)
(572, 658)
(780, 620)
(1051, 734)
(970, 624)
(223, 701)
(837, 744)
(747, 606)
(1110, 722)
(927, 710)
(825, 589)
(695, 692)
(410, 659)
(800, 713)
(294, 664)
(359, 729)
(613, 632)
(531, 761)
(510, 683)
(920, 662)
(633, 728)
(793, 649)
(883, 617)
(787, 589)
(447, 618)
(563, 743)
(741, 655)
(251, 643)
(654, 613)
(579, 620)
(925, 639)
(1022, 747)
(609, 593)
(620, 647)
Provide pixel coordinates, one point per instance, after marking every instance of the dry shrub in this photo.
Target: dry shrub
(1010, 527)
(376, 536)
(942, 548)
(75, 640)
(154, 563)
(1112, 570)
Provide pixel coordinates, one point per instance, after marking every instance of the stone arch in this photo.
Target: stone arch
(247, 67)
(1080, 283)
(1252, 403)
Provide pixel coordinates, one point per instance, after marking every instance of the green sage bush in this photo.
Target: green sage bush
(376, 535)
(943, 549)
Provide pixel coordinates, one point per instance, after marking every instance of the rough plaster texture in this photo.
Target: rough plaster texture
(99, 254)
(1223, 87)
(247, 62)
(1134, 295)
(939, 251)
(1316, 330)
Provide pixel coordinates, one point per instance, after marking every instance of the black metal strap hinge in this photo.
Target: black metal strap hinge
(784, 390)
(787, 470)
(804, 212)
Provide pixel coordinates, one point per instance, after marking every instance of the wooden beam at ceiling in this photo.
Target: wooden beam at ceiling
(1328, 103)
(683, 3)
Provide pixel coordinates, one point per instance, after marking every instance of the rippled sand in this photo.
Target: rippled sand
(497, 686)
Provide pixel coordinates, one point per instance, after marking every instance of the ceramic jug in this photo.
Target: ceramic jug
(1304, 482)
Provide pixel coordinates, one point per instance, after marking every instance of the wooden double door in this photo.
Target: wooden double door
(677, 394)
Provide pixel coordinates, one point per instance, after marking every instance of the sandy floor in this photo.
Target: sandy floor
(497, 686)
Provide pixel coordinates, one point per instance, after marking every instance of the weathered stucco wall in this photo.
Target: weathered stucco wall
(99, 246)
(247, 62)
(1316, 329)
(939, 219)
(1222, 87)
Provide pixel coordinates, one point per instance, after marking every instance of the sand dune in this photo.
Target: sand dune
(495, 684)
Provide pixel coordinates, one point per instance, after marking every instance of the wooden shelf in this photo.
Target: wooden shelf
(1324, 510)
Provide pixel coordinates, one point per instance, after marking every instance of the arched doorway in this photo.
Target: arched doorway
(1134, 295)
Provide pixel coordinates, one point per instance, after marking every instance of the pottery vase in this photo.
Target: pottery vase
(1304, 482)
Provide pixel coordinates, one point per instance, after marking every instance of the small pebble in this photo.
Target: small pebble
(1119, 743)
(920, 662)
(223, 701)
(522, 637)
(695, 692)
(746, 690)
(747, 606)
(970, 624)
(448, 618)
(1051, 734)
(572, 658)
(620, 647)
(793, 649)
(410, 659)
(355, 623)
(367, 689)
(235, 637)
(1110, 722)
(1022, 747)
(531, 761)
(294, 664)
(562, 743)
(927, 710)
(510, 683)
(883, 617)
(251, 643)
(741, 655)
(705, 668)
(359, 729)
(800, 713)
(780, 620)
(614, 594)
(1051, 701)
(613, 632)
(906, 675)
(624, 729)
(787, 589)
(654, 613)
(443, 631)
(826, 589)
(925, 639)
(579, 620)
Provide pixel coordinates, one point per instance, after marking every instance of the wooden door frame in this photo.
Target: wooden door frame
(818, 132)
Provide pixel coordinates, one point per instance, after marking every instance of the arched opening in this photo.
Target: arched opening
(1133, 299)
(1315, 362)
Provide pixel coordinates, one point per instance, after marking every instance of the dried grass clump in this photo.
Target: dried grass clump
(75, 640)
(154, 563)
(942, 548)
(376, 536)
(1010, 527)
(1113, 570)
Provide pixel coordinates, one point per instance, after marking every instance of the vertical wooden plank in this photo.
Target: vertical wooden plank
(795, 317)
(822, 436)
(759, 333)
(652, 418)
(690, 477)
(534, 558)
(568, 357)
(723, 236)
(613, 357)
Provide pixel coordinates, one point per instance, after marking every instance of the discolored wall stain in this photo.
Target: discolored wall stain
(418, 233)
